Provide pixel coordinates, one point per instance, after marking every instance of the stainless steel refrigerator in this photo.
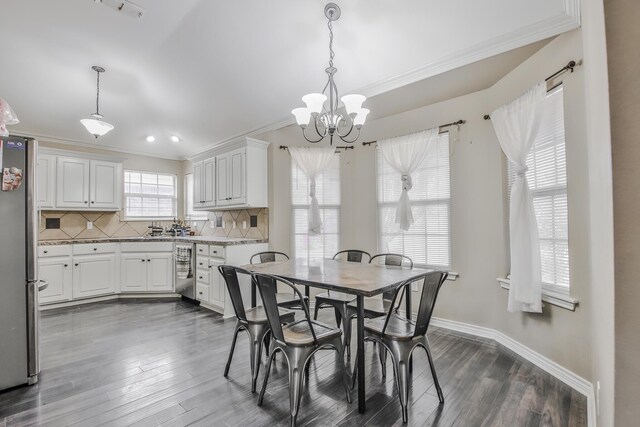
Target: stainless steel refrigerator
(19, 283)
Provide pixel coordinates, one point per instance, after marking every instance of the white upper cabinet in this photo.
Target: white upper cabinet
(239, 175)
(72, 183)
(105, 183)
(68, 182)
(46, 181)
(209, 182)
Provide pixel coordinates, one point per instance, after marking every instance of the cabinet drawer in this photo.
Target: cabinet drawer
(147, 247)
(49, 251)
(202, 262)
(202, 249)
(216, 251)
(96, 248)
(202, 292)
(202, 276)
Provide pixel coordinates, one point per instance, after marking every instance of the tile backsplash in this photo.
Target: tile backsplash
(73, 225)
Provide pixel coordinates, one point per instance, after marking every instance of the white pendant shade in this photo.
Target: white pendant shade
(303, 116)
(353, 103)
(314, 102)
(360, 118)
(96, 127)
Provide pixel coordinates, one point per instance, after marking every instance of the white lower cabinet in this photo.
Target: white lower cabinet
(94, 275)
(209, 282)
(57, 272)
(216, 282)
(142, 272)
(160, 272)
(133, 272)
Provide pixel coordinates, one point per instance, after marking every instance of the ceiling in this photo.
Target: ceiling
(209, 71)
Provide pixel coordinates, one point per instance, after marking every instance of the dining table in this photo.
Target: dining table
(360, 280)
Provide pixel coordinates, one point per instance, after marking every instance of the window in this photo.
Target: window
(547, 177)
(149, 195)
(326, 244)
(189, 212)
(428, 241)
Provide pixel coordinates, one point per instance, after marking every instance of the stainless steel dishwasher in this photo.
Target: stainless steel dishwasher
(185, 264)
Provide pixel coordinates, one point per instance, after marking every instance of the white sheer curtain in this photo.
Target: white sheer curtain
(516, 125)
(7, 117)
(313, 161)
(405, 154)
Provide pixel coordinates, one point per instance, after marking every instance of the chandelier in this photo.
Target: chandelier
(95, 125)
(328, 120)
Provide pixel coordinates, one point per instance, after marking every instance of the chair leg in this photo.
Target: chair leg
(255, 352)
(403, 387)
(433, 372)
(296, 366)
(233, 346)
(342, 365)
(272, 355)
(347, 334)
(267, 340)
(336, 312)
(382, 354)
(315, 310)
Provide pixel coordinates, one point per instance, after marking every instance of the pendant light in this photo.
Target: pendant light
(95, 125)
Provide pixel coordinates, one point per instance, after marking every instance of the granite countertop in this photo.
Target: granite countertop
(207, 240)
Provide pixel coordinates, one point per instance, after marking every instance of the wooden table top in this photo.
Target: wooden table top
(348, 277)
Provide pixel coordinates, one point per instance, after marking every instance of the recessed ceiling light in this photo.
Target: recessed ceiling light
(151, 138)
(175, 138)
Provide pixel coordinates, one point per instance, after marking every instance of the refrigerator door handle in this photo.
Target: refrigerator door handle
(43, 284)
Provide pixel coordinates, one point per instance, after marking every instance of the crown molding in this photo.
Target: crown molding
(568, 20)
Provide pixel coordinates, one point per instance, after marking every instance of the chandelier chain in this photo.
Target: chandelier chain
(331, 52)
(98, 94)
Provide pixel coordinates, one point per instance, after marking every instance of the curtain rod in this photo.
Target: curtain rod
(441, 127)
(338, 147)
(569, 67)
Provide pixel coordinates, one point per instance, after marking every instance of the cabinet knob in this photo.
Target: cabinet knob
(142, 260)
(66, 265)
(46, 252)
(92, 202)
(215, 252)
(85, 202)
(76, 264)
(200, 277)
(148, 260)
(95, 249)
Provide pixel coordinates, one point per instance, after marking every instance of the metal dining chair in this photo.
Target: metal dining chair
(299, 341)
(339, 300)
(285, 300)
(400, 336)
(253, 321)
(376, 307)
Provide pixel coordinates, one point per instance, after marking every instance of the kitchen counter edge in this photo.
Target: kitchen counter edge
(194, 239)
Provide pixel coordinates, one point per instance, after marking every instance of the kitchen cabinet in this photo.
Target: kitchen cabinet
(94, 275)
(46, 181)
(57, 272)
(73, 181)
(142, 272)
(204, 183)
(216, 282)
(238, 176)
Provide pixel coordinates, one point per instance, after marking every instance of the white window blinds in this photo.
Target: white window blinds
(547, 177)
(149, 195)
(428, 241)
(325, 244)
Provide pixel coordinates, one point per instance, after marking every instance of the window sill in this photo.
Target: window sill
(551, 297)
(142, 219)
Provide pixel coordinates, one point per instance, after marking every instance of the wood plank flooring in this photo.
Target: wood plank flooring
(150, 363)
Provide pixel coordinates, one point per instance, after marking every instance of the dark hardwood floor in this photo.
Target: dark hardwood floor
(149, 363)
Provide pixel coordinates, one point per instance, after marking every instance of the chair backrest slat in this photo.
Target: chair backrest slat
(267, 256)
(230, 275)
(268, 287)
(354, 255)
(394, 260)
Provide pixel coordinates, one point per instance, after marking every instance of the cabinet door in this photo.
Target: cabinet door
(198, 196)
(216, 283)
(209, 181)
(72, 183)
(104, 180)
(46, 181)
(222, 179)
(160, 271)
(133, 272)
(237, 177)
(94, 275)
(56, 271)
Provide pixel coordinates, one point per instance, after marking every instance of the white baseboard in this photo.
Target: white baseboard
(560, 372)
(107, 298)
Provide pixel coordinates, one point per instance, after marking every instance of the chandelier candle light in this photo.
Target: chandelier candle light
(95, 125)
(327, 120)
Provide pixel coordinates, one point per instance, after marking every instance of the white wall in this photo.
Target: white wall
(478, 203)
